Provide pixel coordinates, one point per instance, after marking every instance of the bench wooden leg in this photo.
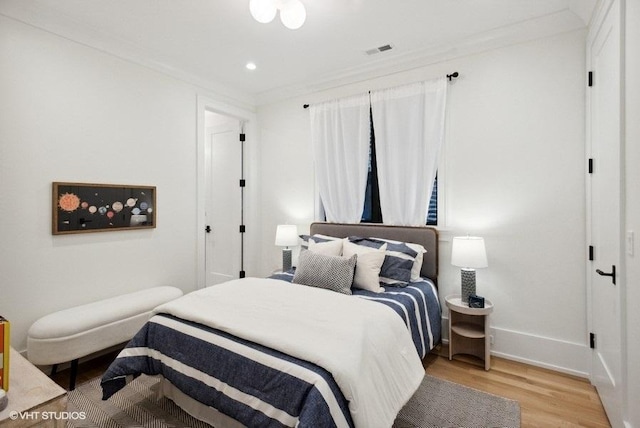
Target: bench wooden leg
(54, 370)
(74, 373)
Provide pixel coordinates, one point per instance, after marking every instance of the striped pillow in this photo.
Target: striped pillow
(323, 244)
(398, 261)
(417, 263)
(317, 238)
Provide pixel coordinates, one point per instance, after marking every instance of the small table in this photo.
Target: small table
(469, 329)
(32, 394)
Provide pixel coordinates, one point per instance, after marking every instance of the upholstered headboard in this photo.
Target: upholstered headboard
(423, 235)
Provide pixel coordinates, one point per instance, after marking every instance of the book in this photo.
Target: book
(5, 347)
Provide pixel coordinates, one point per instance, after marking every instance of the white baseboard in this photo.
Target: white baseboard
(558, 355)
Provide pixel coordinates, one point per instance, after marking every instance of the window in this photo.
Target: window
(432, 216)
(372, 212)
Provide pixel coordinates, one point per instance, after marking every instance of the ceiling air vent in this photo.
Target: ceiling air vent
(378, 49)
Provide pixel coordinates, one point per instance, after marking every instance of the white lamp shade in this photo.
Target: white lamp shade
(263, 11)
(468, 252)
(293, 14)
(287, 235)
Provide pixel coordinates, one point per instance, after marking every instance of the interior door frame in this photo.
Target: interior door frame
(598, 20)
(247, 119)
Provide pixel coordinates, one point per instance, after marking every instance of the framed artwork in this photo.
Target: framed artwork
(83, 207)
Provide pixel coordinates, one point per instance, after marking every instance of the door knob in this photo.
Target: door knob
(612, 274)
(207, 229)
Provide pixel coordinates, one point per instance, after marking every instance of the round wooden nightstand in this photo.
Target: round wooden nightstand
(469, 329)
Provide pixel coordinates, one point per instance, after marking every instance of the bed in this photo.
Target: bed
(297, 356)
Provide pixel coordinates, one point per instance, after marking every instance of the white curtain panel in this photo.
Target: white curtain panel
(340, 138)
(409, 130)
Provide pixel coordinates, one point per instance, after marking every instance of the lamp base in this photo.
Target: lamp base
(468, 279)
(286, 259)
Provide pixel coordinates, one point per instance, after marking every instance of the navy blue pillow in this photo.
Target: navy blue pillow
(398, 260)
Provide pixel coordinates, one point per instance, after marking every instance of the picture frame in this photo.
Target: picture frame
(91, 207)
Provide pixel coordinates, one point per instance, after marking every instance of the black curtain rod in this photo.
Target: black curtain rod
(452, 75)
(449, 76)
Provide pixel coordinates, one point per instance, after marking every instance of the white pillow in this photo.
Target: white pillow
(328, 248)
(326, 237)
(417, 263)
(368, 266)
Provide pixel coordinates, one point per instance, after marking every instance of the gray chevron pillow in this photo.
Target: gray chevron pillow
(333, 273)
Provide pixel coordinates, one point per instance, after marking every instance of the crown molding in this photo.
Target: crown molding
(574, 17)
(539, 28)
(63, 26)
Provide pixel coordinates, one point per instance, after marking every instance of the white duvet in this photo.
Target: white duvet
(364, 344)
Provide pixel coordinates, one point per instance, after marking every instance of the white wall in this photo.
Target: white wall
(513, 171)
(286, 176)
(632, 192)
(72, 113)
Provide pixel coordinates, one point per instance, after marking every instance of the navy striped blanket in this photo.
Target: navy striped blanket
(264, 386)
(256, 385)
(416, 303)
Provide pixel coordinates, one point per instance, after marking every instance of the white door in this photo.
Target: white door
(605, 213)
(223, 169)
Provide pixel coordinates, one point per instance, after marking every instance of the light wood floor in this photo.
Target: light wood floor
(547, 398)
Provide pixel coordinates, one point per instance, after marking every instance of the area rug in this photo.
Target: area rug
(440, 403)
(437, 403)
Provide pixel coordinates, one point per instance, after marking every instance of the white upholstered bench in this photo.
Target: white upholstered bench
(76, 332)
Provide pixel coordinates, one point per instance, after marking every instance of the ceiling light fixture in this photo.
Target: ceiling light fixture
(251, 66)
(292, 12)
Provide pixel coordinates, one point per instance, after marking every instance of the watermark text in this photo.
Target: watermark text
(45, 416)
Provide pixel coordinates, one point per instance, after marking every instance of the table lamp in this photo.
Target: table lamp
(468, 253)
(286, 236)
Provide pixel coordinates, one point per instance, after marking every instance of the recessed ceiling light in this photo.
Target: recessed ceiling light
(251, 66)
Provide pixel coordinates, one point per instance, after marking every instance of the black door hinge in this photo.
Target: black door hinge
(590, 78)
(590, 165)
(243, 182)
(242, 274)
(590, 253)
(592, 340)
(242, 138)
(242, 228)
